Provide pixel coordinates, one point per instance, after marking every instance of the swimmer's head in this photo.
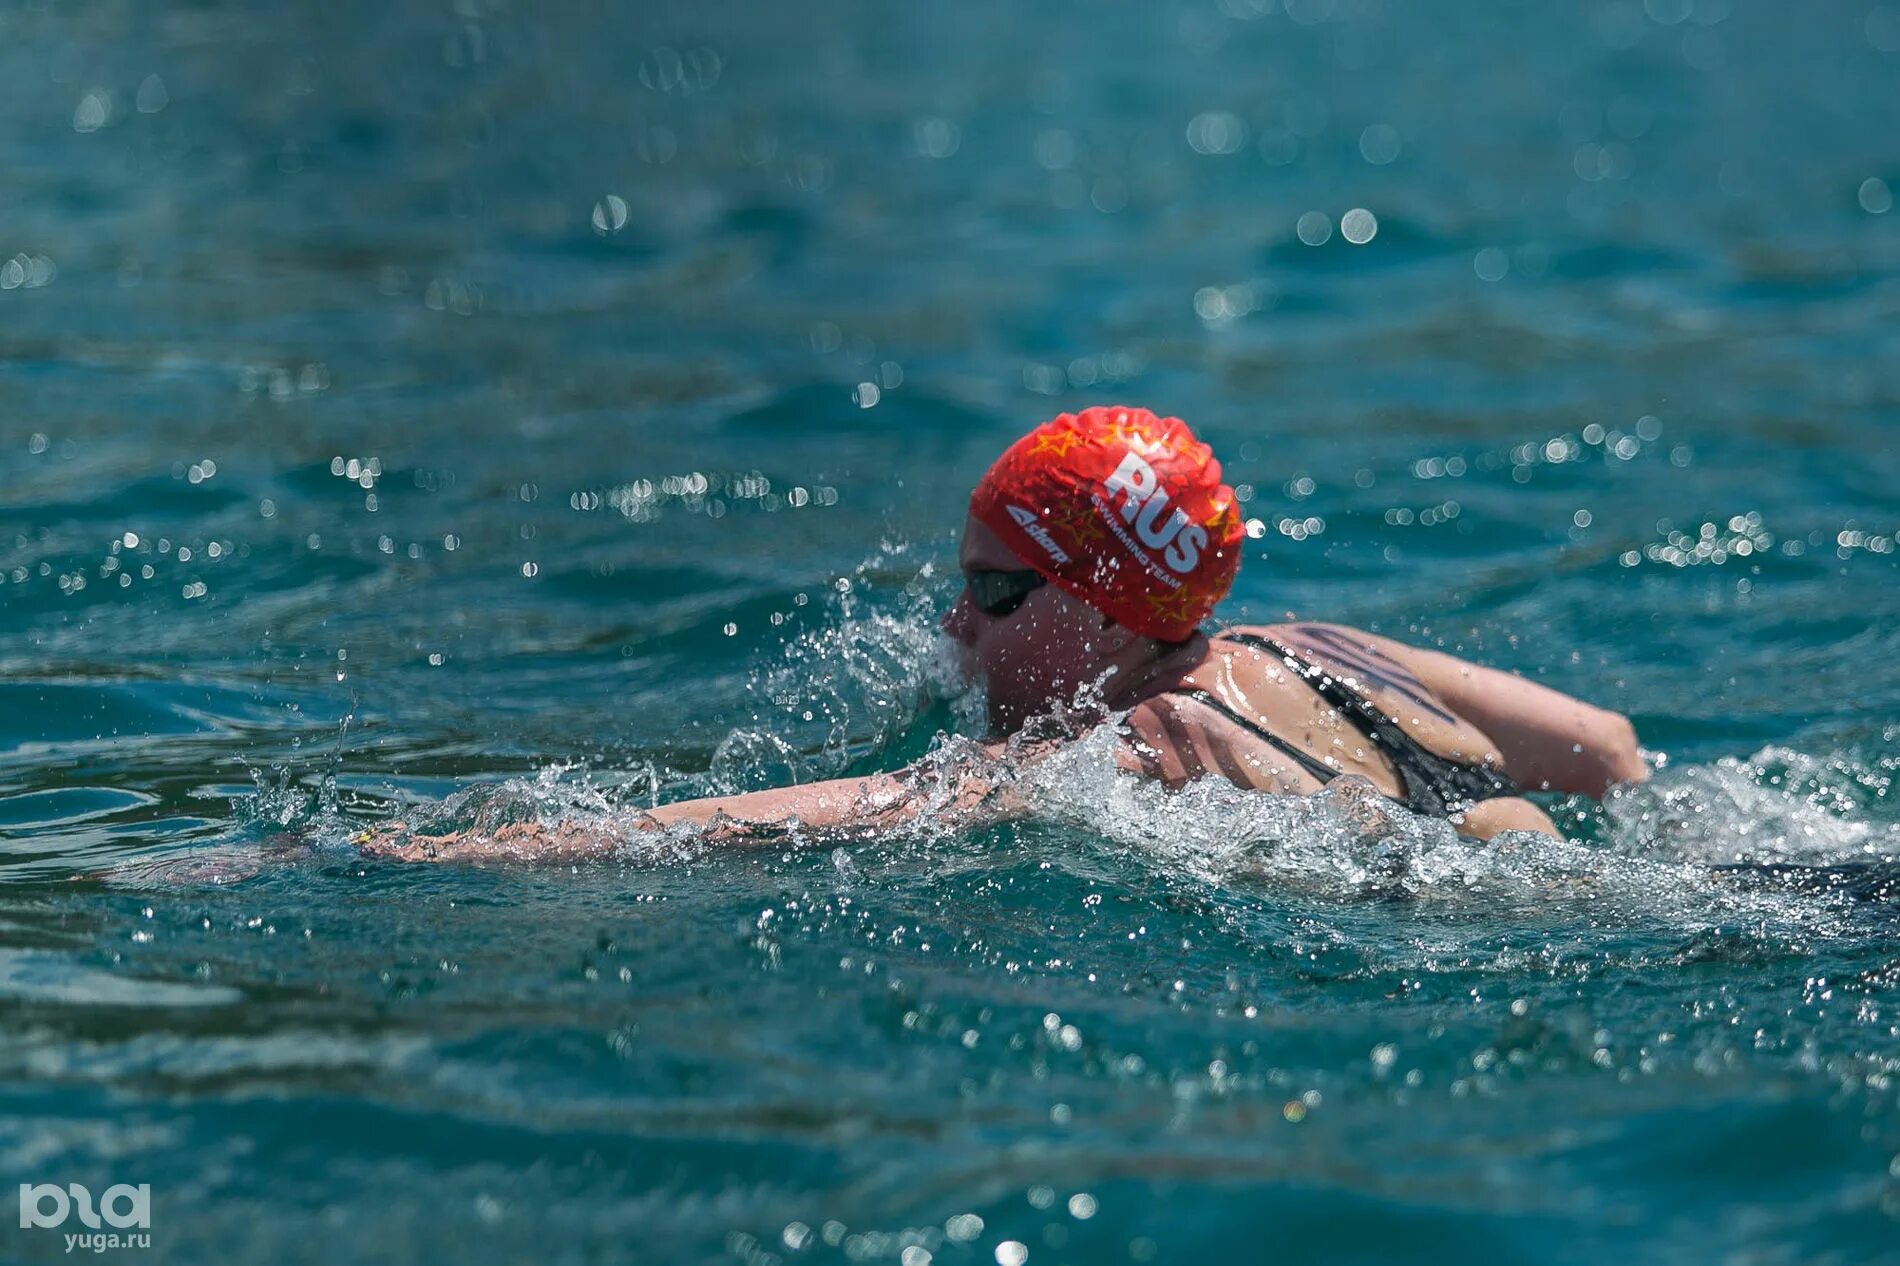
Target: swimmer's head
(1094, 531)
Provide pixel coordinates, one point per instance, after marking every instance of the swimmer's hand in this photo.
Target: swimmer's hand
(515, 842)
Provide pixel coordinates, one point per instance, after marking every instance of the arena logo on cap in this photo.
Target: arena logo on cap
(1144, 502)
(1026, 519)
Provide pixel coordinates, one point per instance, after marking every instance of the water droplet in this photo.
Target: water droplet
(963, 1227)
(1216, 132)
(93, 111)
(610, 214)
(1379, 144)
(152, 96)
(937, 137)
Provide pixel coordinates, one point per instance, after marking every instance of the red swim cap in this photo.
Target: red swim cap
(1124, 510)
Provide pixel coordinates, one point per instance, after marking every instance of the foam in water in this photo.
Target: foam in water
(1779, 805)
(853, 683)
(1348, 843)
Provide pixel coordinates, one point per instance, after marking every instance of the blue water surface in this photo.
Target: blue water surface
(548, 407)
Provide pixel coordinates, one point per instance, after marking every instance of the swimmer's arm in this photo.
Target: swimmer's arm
(755, 817)
(515, 842)
(875, 800)
(974, 790)
(1506, 813)
(1549, 741)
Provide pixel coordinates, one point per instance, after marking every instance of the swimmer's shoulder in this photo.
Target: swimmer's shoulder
(1395, 676)
(1175, 738)
(1321, 641)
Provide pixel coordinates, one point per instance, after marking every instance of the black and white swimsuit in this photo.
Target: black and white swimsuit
(1429, 784)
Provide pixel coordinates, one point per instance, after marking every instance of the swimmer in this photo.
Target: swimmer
(1093, 552)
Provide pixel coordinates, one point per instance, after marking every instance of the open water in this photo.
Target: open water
(494, 409)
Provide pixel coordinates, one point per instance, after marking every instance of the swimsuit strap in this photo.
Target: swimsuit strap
(1384, 733)
(1306, 760)
(1432, 784)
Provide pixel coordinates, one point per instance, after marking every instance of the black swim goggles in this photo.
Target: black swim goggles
(999, 593)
